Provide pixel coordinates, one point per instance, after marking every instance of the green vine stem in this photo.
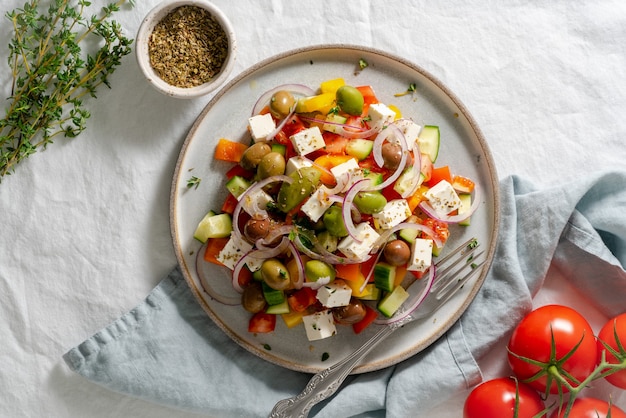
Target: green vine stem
(52, 74)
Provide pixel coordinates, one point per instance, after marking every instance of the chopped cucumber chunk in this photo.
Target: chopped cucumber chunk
(384, 276)
(466, 204)
(237, 185)
(279, 308)
(428, 141)
(213, 226)
(392, 301)
(273, 296)
(359, 148)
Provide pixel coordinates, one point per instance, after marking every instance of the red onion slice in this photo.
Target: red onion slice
(259, 255)
(345, 130)
(346, 209)
(378, 156)
(245, 200)
(415, 172)
(430, 211)
(299, 264)
(384, 237)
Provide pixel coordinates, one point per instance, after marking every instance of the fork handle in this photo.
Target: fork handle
(323, 384)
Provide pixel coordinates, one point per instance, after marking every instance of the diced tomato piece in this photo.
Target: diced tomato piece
(391, 194)
(439, 227)
(417, 274)
(231, 151)
(213, 248)
(335, 144)
(462, 184)
(370, 316)
(238, 170)
(369, 96)
(293, 126)
(438, 174)
(229, 204)
(262, 323)
(301, 299)
(245, 277)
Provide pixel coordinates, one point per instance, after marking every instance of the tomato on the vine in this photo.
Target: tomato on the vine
(590, 408)
(552, 339)
(607, 334)
(497, 399)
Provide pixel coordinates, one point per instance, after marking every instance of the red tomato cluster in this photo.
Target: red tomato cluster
(553, 350)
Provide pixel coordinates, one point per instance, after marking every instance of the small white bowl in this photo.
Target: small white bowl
(143, 58)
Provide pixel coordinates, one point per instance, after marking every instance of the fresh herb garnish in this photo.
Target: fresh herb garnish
(325, 356)
(412, 88)
(52, 74)
(193, 182)
(362, 64)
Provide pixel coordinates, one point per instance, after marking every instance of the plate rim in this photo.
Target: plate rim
(489, 161)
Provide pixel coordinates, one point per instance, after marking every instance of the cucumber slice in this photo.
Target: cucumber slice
(428, 141)
(408, 235)
(466, 203)
(279, 308)
(213, 226)
(237, 185)
(273, 296)
(359, 148)
(404, 181)
(376, 178)
(334, 119)
(392, 301)
(279, 148)
(384, 276)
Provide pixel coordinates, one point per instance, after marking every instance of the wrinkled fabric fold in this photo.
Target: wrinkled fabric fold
(168, 351)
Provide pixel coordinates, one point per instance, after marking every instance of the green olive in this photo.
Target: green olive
(305, 181)
(272, 164)
(350, 100)
(253, 155)
(315, 270)
(281, 104)
(252, 298)
(275, 274)
(370, 202)
(334, 222)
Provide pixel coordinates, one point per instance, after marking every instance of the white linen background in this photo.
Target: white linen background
(84, 225)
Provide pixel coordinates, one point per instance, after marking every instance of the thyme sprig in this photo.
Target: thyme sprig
(52, 74)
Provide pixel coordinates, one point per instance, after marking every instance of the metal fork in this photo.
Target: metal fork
(462, 260)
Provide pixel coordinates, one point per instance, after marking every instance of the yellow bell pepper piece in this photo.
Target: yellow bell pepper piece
(292, 318)
(331, 86)
(397, 110)
(321, 103)
(355, 285)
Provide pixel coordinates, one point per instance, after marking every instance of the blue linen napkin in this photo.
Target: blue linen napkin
(168, 351)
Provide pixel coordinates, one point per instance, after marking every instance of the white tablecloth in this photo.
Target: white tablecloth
(84, 228)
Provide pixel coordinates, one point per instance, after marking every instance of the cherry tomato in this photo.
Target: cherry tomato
(607, 334)
(497, 399)
(590, 408)
(533, 339)
(262, 322)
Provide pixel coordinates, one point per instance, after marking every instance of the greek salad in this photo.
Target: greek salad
(335, 201)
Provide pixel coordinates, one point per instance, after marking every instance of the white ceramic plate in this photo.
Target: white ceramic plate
(462, 147)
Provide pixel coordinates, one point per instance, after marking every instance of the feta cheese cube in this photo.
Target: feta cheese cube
(261, 126)
(350, 168)
(307, 140)
(296, 163)
(421, 255)
(334, 294)
(394, 212)
(319, 325)
(359, 250)
(380, 115)
(233, 251)
(256, 199)
(409, 129)
(317, 204)
(443, 198)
